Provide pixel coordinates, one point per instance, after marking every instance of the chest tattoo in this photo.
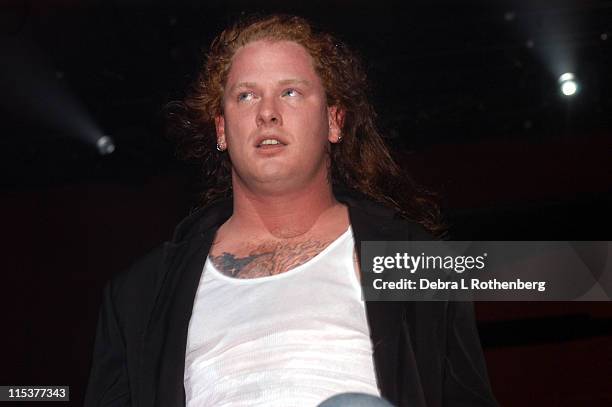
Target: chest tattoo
(268, 259)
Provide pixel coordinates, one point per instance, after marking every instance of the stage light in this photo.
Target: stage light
(568, 84)
(33, 89)
(105, 145)
(569, 88)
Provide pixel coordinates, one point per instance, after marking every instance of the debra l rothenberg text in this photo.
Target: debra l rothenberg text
(461, 284)
(410, 263)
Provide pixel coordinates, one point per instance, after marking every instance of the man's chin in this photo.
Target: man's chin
(277, 183)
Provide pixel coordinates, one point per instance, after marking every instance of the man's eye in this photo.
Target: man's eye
(290, 92)
(245, 96)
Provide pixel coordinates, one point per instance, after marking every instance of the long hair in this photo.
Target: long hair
(361, 161)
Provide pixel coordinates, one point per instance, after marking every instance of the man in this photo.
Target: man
(256, 301)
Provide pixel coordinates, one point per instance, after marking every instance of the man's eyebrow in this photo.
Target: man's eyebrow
(294, 82)
(242, 85)
(282, 82)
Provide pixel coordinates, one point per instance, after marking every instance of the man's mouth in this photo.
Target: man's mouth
(270, 143)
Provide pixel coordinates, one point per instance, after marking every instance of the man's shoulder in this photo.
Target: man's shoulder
(133, 289)
(148, 271)
(379, 221)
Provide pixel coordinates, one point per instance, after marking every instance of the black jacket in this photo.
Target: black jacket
(425, 353)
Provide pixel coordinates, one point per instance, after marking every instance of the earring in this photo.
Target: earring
(339, 139)
(220, 147)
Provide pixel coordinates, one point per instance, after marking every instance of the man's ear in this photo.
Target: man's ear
(220, 126)
(220, 130)
(336, 121)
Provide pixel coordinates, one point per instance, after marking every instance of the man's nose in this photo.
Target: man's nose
(268, 112)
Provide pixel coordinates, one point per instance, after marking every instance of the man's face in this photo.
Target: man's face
(276, 122)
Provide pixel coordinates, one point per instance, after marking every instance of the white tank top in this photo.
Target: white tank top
(291, 339)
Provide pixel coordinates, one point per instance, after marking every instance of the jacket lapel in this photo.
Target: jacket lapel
(389, 322)
(165, 339)
(384, 318)
(172, 360)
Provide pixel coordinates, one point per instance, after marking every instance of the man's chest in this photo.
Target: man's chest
(264, 258)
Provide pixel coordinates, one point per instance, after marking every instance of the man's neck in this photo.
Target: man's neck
(283, 215)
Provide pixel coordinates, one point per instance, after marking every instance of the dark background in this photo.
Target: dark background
(467, 95)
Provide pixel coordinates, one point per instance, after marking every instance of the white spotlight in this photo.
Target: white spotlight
(105, 145)
(568, 84)
(569, 88)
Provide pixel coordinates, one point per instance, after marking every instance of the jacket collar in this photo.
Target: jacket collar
(166, 335)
